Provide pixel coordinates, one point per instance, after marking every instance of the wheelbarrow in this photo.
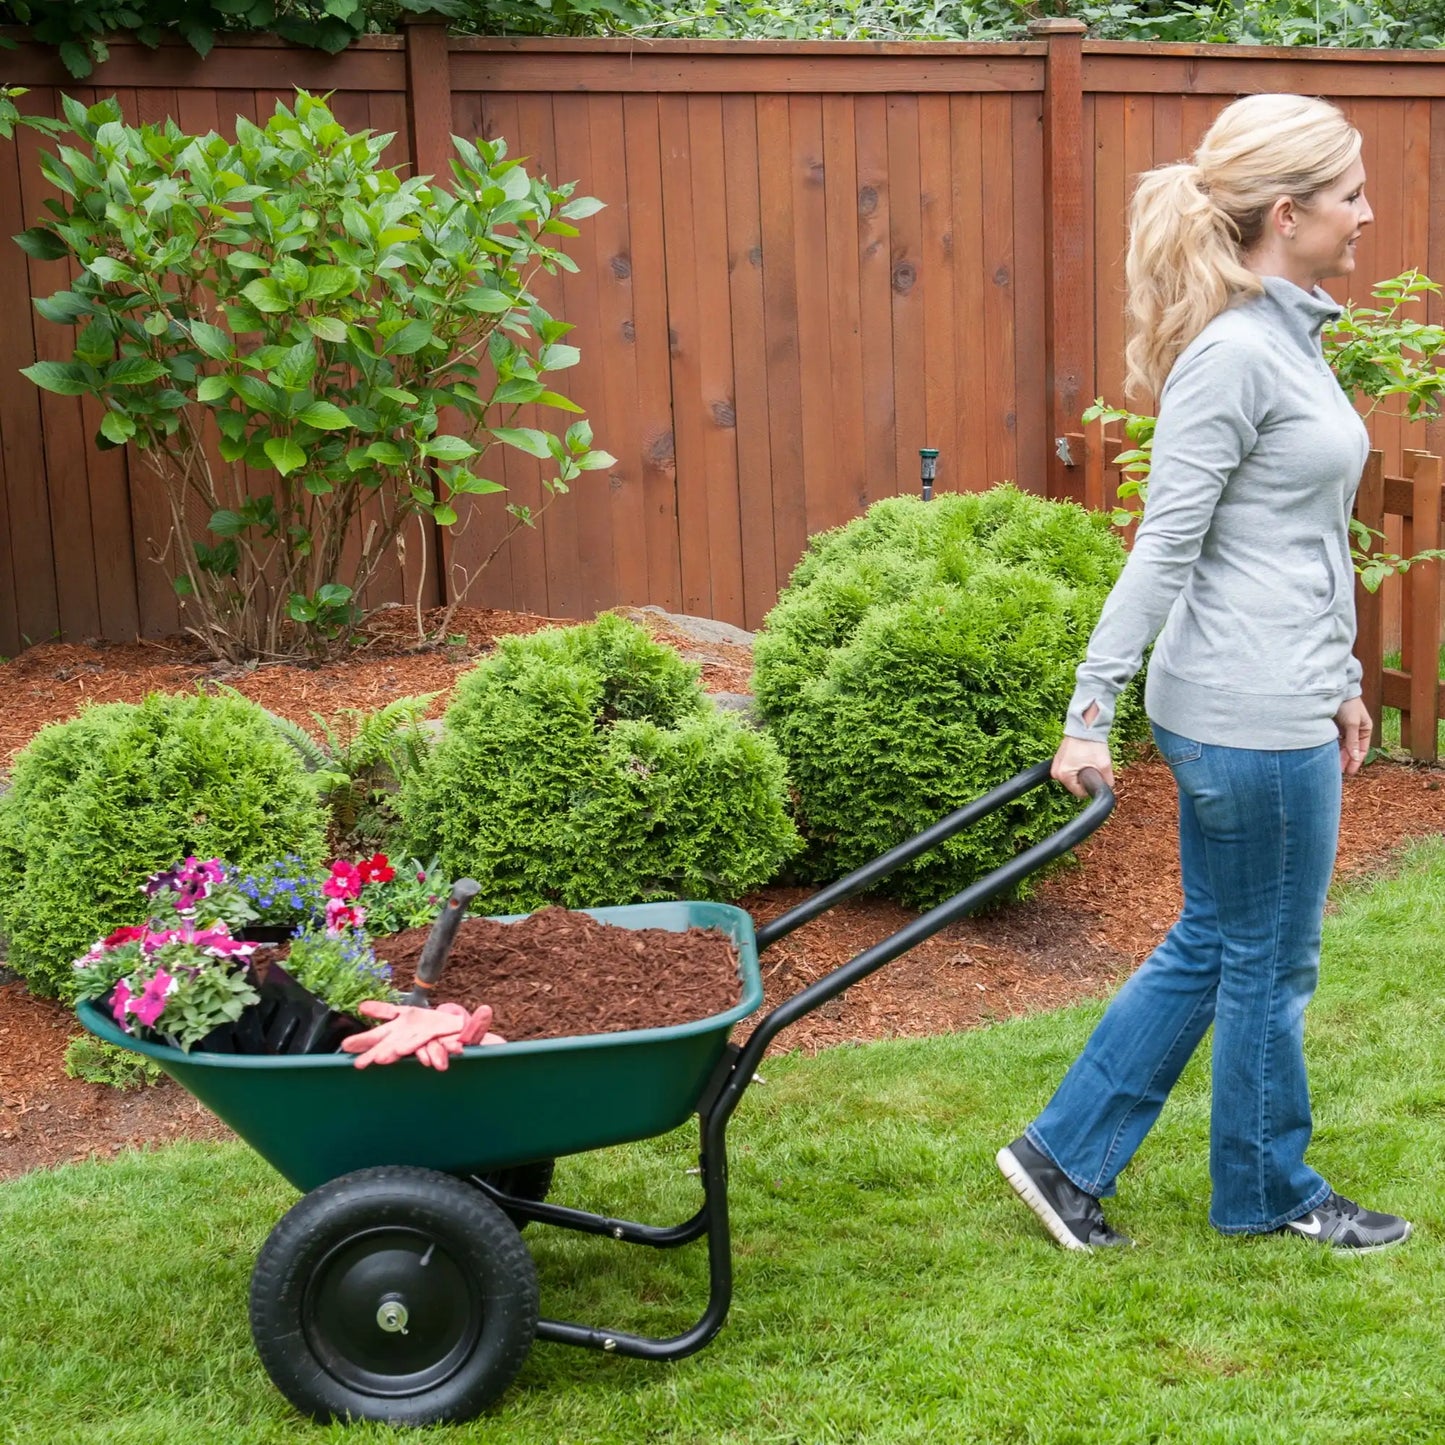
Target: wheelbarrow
(398, 1288)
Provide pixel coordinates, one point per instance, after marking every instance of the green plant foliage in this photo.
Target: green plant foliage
(97, 1062)
(585, 766)
(339, 966)
(356, 771)
(919, 656)
(79, 27)
(101, 802)
(321, 313)
(10, 114)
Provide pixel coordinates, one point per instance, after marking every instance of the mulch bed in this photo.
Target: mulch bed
(557, 974)
(1084, 930)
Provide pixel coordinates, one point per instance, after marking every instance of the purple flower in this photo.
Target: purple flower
(152, 1001)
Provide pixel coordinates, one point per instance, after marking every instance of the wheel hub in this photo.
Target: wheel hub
(388, 1312)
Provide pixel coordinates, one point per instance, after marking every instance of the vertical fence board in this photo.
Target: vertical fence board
(590, 498)
(870, 138)
(616, 427)
(1423, 663)
(940, 383)
(1369, 606)
(526, 554)
(1435, 241)
(481, 534)
(845, 340)
(1111, 193)
(684, 339)
(27, 539)
(654, 371)
(780, 298)
(824, 504)
(62, 420)
(971, 358)
(1035, 437)
(749, 344)
(905, 223)
(998, 305)
(716, 414)
(561, 540)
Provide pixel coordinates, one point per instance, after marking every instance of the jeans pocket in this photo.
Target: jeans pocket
(1175, 749)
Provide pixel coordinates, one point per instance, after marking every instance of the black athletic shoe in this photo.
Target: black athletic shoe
(1074, 1218)
(1342, 1224)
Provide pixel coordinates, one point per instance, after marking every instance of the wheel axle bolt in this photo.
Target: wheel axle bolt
(392, 1316)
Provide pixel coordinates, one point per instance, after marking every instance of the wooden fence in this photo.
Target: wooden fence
(815, 259)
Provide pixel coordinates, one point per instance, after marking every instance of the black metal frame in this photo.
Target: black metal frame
(739, 1065)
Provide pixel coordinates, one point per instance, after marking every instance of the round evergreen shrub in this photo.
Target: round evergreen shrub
(923, 654)
(102, 801)
(584, 766)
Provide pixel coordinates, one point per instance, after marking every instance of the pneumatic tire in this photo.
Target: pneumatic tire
(393, 1294)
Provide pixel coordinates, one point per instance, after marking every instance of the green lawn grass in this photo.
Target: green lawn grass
(889, 1287)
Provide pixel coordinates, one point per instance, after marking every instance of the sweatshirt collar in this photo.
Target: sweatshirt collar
(1304, 313)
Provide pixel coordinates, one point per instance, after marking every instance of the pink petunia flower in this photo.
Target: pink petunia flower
(152, 1001)
(123, 935)
(122, 997)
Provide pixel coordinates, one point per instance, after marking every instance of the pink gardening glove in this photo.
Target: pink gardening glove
(478, 1024)
(432, 1035)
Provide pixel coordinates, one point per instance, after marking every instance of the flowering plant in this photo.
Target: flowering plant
(173, 984)
(185, 973)
(408, 898)
(339, 965)
(285, 893)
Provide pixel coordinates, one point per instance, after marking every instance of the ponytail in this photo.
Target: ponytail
(1191, 224)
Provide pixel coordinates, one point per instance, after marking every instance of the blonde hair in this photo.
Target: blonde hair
(1190, 224)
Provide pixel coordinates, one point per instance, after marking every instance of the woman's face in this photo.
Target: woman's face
(1325, 231)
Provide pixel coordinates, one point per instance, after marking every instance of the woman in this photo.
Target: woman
(1243, 559)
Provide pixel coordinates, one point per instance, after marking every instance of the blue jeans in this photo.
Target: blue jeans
(1257, 837)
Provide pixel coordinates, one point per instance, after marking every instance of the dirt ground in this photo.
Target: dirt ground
(1084, 930)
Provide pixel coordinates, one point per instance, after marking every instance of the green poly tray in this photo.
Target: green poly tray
(314, 1117)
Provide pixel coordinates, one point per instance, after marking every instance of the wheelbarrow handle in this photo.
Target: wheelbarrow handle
(979, 892)
(870, 873)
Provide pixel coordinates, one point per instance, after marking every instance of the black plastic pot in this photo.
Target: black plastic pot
(286, 1019)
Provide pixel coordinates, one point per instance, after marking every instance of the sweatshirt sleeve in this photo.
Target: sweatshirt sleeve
(1354, 672)
(1209, 416)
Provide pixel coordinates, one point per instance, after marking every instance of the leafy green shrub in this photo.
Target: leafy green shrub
(585, 766)
(97, 1062)
(120, 792)
(333, 320)
(919, 656)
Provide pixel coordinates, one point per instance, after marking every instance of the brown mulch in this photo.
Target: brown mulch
(1084, 930)
(557, 974)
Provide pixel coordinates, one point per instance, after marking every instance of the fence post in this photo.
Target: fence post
(1425, 471)
(1067, 365)
(429, 97)
(1370, 606)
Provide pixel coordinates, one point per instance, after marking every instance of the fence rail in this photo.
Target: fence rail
(816, 258)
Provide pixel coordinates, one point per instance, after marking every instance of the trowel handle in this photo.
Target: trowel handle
(439, 941)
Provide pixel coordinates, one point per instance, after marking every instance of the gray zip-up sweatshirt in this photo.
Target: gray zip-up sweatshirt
(1243, 555)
